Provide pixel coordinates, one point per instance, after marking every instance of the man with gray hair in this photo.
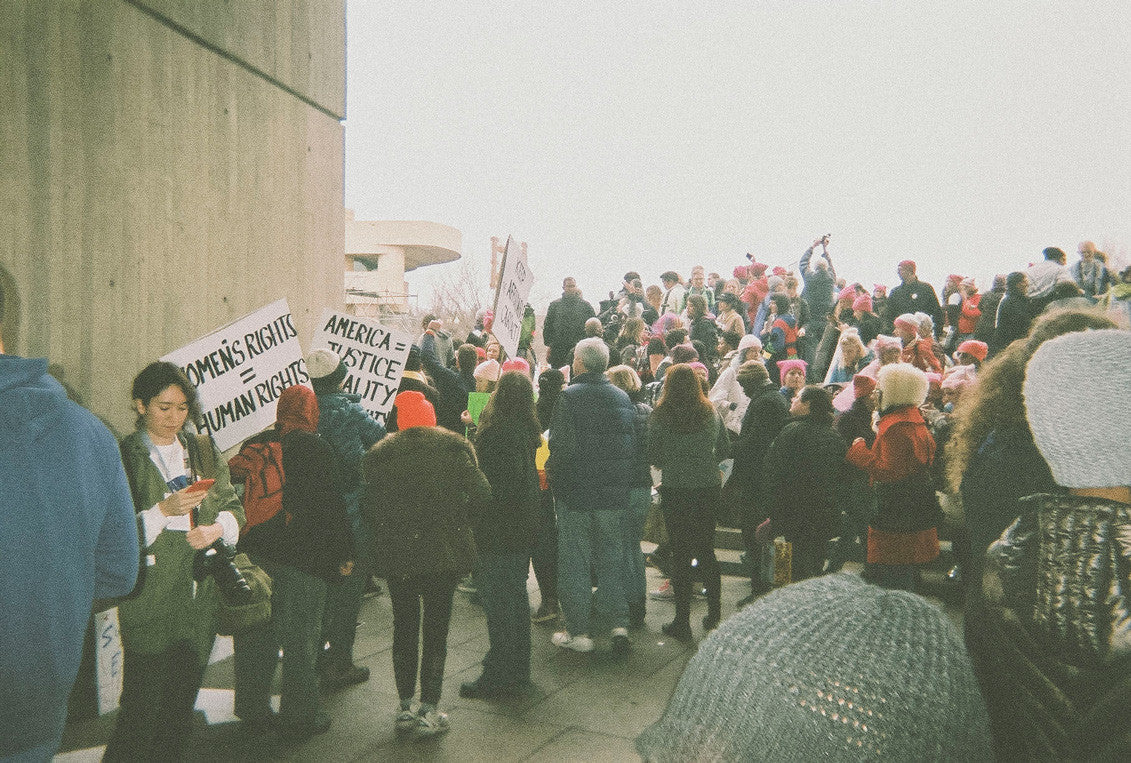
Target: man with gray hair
(592, 442)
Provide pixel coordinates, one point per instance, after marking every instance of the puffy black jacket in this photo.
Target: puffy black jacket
(1056, 663)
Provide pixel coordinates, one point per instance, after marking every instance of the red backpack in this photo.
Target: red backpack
(259, 465)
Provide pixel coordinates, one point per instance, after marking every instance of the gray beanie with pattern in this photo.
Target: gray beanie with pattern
(828, 668)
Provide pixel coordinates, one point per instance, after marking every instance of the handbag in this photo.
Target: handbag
(233, 617)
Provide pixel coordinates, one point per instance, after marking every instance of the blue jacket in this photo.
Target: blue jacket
(593, 445)
(69, 536)
(351, 431)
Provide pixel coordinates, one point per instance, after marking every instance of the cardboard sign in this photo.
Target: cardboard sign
(108, 660)
(374, 354)
(240, 370)
(515, 279)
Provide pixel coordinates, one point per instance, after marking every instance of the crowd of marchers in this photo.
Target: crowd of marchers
(852, 425)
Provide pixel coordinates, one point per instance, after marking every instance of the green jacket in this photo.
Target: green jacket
(164, 611)
(688, 460)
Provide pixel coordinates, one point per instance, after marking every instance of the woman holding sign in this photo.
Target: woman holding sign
(188, 514)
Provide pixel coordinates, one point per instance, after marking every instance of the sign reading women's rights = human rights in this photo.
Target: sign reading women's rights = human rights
(374, 356)
(240, 370)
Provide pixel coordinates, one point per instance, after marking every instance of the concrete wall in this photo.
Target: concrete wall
(167, 168)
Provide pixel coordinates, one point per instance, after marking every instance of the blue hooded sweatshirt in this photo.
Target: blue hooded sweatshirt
(68, 535)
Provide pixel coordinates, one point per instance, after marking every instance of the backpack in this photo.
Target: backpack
(261, 465)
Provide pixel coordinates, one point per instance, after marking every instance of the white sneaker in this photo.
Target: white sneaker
(576, 643)
(430, 724)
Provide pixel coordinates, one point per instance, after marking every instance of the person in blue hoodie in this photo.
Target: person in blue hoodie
(69, 536)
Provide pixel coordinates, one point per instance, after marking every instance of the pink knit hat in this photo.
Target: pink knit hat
(785, 366)
(863, 303)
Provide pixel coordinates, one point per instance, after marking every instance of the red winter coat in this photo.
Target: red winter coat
(971, 312)
(904, 528)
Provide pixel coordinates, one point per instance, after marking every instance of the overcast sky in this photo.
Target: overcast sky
(655, 135)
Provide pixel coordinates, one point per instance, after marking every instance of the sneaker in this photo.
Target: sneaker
(621, 644)
(406, 722)
(467, 585)
(544, 614)
(663, 593)
(430, 724)
(576, 643)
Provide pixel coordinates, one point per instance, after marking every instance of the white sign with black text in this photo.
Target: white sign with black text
(374, 356)
(515, 279)
(241, 369)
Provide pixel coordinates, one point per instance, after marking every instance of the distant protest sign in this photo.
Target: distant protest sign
(374, 355)
(515, 279)
(240, 370)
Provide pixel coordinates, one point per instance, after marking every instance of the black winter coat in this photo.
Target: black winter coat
(1056, 666)
(802, 471)
(765, 417)
(506, 458)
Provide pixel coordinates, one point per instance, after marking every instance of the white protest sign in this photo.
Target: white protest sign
(515, 279)
(108, 660)
(240, 370)
(374, 354)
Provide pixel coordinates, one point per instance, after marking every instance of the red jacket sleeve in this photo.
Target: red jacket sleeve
(897, 453)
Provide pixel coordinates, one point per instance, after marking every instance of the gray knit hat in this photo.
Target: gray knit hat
(829, 668)
(326, 370)
(1071, 384)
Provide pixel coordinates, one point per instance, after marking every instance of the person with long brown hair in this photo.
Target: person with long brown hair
(505, 443)
(686, 442)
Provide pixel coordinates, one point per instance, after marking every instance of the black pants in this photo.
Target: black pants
(690, 519)
(808, 560)
(545, 554)
(158, 695)
(406, 594)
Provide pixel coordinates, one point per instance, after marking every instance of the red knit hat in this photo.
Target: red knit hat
(973, 347)
(756, 269)
(414, 410)
(907, 264)
(863, 303)
(780, 271)
(862, 385)
(297, 409)
(847, 294)
(879, 290)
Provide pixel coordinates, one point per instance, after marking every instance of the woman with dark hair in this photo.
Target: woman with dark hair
(505, 443)
(168, 628)
(686, 442)
(801, 472)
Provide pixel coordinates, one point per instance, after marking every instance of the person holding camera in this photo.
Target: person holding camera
(168, 624)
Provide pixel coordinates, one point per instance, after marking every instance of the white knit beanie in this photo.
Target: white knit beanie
(830, 668)
(322, 362)
(1071, 384)
(901, 384)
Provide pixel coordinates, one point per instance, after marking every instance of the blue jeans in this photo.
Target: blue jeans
(632, 524)
(507, 607)
(591, 540)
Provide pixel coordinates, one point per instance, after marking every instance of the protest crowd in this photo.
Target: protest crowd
(842, 428)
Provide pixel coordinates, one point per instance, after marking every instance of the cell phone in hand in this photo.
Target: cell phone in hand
(200, 486)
